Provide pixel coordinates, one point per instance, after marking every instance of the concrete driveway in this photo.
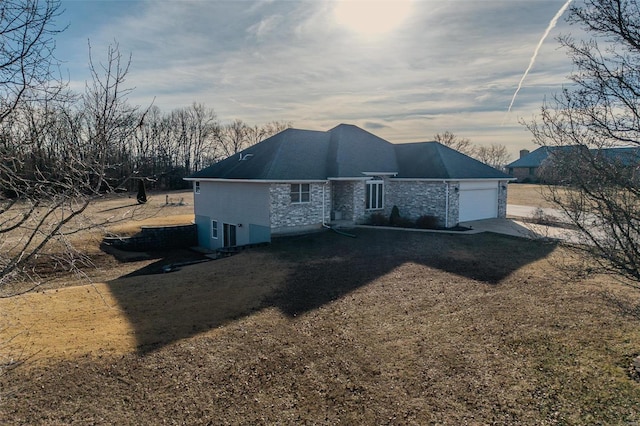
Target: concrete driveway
(517, 227)
(514, 210)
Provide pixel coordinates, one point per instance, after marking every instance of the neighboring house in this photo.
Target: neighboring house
(527, 167)
(536, 165)
(302, 180)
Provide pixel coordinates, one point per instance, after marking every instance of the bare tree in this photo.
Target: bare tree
(458, 143)
(27, 33)
(57, 155)
(204, 125)
(155, 148)
(232, 137)
(195, 129)
(110, 121)
(257, 133)
(238, 135)
(598, 111)
(494, 155)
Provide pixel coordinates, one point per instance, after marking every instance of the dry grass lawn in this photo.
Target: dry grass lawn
(526, 194)
(116, 214)
(390, 327)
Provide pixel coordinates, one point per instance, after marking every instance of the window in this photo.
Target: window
(375, 195)
(197, 187)
(214, 229)
(300, 193)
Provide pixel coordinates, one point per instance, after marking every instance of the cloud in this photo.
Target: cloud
(371, 125)
(265, 27)
(447, 67)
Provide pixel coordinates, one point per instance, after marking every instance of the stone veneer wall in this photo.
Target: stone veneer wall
(156, 238)
(342, 193)
(502, 199)
(291, 217)
(420, 198)
(359, 192)
(454, 203)
(413, 198)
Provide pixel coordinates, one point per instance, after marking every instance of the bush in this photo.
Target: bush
(403, 222)
(542, 218)
(427, 222)
(395, 216)
(377, 219)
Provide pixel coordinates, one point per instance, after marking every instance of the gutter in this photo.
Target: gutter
(256, 180)
(451, 179)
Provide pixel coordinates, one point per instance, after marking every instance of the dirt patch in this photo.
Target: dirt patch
(386, 328)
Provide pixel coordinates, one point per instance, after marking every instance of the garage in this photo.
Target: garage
(478, 200)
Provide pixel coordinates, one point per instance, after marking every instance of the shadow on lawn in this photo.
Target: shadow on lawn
(332, 266)
(300, 274)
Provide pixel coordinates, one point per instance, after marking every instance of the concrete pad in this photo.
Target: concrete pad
(522, 229)
(501, 226)
(514, 210)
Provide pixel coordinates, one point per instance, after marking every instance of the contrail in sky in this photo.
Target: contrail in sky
(535, 52)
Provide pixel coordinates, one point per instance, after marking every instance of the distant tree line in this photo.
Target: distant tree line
(129, 143)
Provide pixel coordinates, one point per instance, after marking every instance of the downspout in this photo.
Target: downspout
(446, 202)
(324, 223)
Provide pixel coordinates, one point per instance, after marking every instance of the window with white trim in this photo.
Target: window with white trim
(300, 193)
(214, 229)
(375, 195)
(197, 187)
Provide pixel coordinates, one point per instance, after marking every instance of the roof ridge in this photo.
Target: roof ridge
(445, 164)
(281, 141)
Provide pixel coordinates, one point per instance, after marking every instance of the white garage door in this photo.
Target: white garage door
(477, 201)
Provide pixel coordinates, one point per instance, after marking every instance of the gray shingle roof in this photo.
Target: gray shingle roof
(292, 154)
(354, 151)
(346, 151)
(533, 159)
(436, 161)
(622, 156)
(625, 156)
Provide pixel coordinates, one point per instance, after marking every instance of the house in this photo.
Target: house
(526, 169)
(539, 165)
(302, 180)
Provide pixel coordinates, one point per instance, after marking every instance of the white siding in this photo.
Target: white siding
(245, 205)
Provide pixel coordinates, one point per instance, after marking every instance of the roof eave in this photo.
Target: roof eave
(406, 179)
(257, 180)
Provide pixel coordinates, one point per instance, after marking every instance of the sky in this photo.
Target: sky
(403, 70)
